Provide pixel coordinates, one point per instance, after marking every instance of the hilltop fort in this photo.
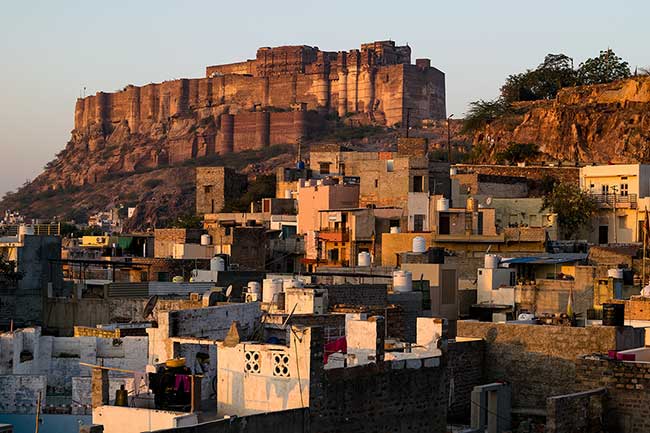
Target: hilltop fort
(284, 94)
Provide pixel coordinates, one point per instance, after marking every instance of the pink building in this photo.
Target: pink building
(315, 196)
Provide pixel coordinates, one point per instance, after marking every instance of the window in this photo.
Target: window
(376, 183)
(342, 169)
(418, 223)
(281, 365)
(418, 184)
(605, 189)
(624, 189)
(513, 280)
(324, 168)
(390, 165)
(227, 231)
(207, 189)
(252, 359)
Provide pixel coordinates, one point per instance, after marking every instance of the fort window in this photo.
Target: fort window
(207, 189)
(376, 183)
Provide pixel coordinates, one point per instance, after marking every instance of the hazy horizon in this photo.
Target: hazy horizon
(51, 52)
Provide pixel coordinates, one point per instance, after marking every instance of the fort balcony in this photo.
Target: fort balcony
(619, 201)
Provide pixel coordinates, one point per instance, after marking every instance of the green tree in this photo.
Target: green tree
(262, 187)
(519, 152)
(482, 113)
(605, 68)
(573, 206)
(187, 221)
(544, 82)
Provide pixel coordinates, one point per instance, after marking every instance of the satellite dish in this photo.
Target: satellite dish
(488, 200)
(229, 292)
(148, 308)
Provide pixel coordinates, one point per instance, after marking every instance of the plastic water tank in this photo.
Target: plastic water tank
(363, 259)
(217, 264)
(300, 165)
(442, 205)
(271, 287)
(205, 239)
(492, 261)
(402, 281)
(472, 204)
(453, 171)
(419, 244)
(254, 287)
(177, 279)
(287, 193)
(615, 273)
(394, 229)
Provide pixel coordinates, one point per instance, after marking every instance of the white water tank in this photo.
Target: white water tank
(419, 244)
(394, 229)
(254, 287)
(205, 239)
(492, 261)
(271, 287)
(442, 204)
(402, 281)
(363, 259)
(287, 193)
(217, 264)
(453, 171)
(615, 273)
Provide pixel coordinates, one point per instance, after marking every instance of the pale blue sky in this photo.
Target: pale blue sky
(51, 49)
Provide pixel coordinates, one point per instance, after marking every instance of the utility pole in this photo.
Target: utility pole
(449, 137)
(38, 412)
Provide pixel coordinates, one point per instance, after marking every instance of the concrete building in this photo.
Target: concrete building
(622, 193)
(215, 186)
(28, 276)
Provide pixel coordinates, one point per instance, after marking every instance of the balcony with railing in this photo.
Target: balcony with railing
(627, 201)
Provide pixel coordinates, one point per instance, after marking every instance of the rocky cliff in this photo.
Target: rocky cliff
(602, 124)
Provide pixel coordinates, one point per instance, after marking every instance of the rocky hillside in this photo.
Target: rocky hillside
(601, 123)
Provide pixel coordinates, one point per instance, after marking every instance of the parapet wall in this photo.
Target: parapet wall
(540, 361)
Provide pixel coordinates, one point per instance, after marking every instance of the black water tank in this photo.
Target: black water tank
(613, 314)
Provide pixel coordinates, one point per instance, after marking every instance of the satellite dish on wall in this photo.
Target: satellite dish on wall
(488, 200)
(149, 306)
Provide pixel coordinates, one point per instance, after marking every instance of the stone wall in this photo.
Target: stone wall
(359, 295)
(627, 402)
(19, 394)
(466, 370)
(540, 361)
(392, 396)
(578, 412)
(215, 186)
(534, 174)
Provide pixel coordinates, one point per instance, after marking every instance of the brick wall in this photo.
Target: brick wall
(540, 361)
(387, 397)
(579, 412)
(466, 369)
(358, 294)
(627, 403)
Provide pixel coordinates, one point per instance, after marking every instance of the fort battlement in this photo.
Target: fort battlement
(281, 96)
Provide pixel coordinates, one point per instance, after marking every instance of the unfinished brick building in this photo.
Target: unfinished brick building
(215, 186)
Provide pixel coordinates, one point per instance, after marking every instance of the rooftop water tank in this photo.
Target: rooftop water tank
(217, 264)
(363, 259)
(402, 281)
(271, 287)
(453, 171)
(442, 204)
(394, 229)
(205, 239)
(419, 244)
(293, 283)
(492, 261)
(254, 287)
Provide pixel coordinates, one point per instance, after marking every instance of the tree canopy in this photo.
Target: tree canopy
(573, 206)
(605, 68)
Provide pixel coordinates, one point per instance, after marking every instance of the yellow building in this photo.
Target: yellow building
(622, 193)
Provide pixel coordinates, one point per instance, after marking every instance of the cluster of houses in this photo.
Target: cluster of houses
(377, 291)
